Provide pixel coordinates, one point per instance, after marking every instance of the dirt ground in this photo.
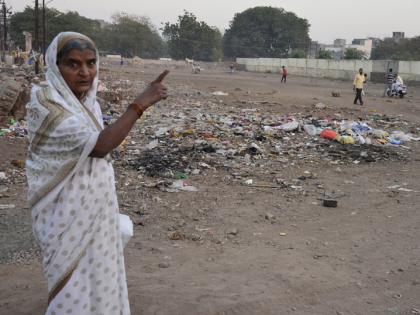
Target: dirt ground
(252, 250)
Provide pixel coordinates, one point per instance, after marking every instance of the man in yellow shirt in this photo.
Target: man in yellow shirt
(359, 80)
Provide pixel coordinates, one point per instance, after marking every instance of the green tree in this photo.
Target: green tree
(132, 35)
(353, 53)
(298, 53)
(266, 32)
(403, 49)
(324, 54)
(56, 22)
(190, 38)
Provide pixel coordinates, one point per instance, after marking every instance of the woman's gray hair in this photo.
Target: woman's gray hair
(76, 43)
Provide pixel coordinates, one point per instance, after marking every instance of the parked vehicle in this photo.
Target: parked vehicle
(397, 90)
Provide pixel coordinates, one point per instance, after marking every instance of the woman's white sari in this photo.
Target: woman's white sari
(73, 198)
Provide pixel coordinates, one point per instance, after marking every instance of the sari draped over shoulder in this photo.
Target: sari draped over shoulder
(73, 198)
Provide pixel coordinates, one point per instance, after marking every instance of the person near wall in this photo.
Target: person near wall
(71, 186)
(284, 73)
(389, 81)
(398, 82)
(364, 85)
(398, 79)
(358, 84)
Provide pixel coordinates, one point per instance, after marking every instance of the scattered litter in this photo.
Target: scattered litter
(248, 182)
(177, 236)
(180, 185)
(220, 93)
(320, 106)
(232, 231)
(18, 163)
(330, 203)
(7, 206)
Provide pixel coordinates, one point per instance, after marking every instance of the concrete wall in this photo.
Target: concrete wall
(409, 70)
(335, 69)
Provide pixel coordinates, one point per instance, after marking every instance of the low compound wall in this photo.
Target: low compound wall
(341, 69)
(410, 70)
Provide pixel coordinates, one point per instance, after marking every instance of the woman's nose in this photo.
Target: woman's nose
(84, 71)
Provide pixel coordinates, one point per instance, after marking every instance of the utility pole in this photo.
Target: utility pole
(36, 37)
(3, 20)
(44, 28)
(3, 44)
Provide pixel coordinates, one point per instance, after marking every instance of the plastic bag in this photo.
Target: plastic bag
(126, 228)
(290, 126)
(310, 130)
(400, 136)
(328, 134)
(346, 140)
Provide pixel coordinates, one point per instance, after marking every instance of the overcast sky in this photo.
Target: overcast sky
(329, 19)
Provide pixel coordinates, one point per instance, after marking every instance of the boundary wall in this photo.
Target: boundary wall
(334, 69)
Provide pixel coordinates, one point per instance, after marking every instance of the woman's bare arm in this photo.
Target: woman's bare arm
(112, 136)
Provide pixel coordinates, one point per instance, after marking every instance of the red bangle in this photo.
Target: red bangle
(137, 109)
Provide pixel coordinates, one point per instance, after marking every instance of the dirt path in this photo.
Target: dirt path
(251, 250)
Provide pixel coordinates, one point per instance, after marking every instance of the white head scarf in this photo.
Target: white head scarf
(54, 76)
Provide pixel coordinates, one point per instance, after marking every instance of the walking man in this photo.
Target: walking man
(284, 74)
(358, 83)
(390, 77)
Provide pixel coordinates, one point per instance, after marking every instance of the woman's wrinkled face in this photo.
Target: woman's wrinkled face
(78, 68)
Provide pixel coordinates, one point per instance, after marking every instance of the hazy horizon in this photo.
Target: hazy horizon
(357, 18)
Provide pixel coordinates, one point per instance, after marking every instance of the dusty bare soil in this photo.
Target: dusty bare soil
(252, 250)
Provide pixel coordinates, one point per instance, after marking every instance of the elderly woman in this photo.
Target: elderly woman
(71, 181)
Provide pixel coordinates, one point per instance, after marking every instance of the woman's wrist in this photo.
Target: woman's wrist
(138, 109)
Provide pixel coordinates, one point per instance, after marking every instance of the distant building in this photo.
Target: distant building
(338, 49)
(398, 35)
(339, 46)
(337, 53)
(339, 42)
(375, 41)
(314, 49)
(362, 44)
(358, 41)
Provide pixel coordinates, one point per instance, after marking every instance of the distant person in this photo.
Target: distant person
(358, 84)
(364, 86)
(232, 68)
(15, 55)
(389, 80)
(285, 73)
(398, 82)
(398, 79)
(30, 57)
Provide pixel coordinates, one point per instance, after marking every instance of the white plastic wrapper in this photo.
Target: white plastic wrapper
(126, 228)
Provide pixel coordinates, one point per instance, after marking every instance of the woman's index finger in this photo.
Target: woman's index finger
(162, 76)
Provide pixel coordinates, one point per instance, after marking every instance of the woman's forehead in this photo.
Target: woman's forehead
(80, 54)
(63, 40)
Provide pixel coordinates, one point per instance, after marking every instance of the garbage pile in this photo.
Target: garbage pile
(352, 132)
(14, 94)
(15, 129)
(196, 131)
(114, 95)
